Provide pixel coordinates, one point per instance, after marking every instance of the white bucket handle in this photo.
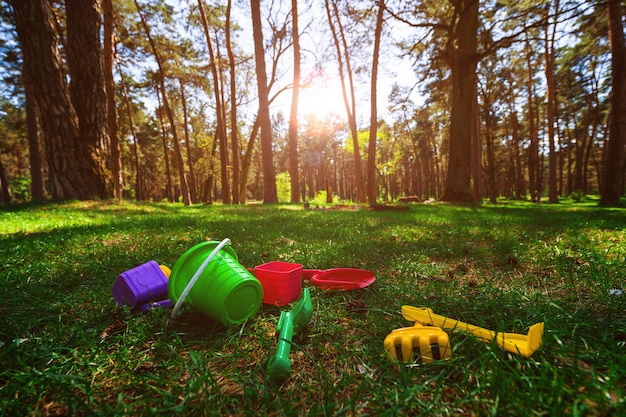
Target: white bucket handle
(195, 277)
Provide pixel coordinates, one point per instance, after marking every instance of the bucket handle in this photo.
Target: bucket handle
(195, 277)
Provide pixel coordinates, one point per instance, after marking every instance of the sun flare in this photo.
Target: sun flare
(321, 100)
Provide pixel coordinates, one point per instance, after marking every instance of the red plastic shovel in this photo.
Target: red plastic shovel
(339, 278)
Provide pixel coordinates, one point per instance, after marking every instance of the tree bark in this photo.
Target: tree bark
(612, 187)
(371, 149)
(220, 131)
(87, 88)
(477, 154)
(34, 142)
(293, 117)
(246, 162)
(341, 47)
(169, 190)
(72, 170)
(108, 58)
(462, 59)
(184, 185)
(534, 179)
(193, 187)
(5, 189)
(269, 175)
(550, 31)
(234, 130)
(519, 176)
(139, 194)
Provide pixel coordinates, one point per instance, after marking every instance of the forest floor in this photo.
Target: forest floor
(66, 348)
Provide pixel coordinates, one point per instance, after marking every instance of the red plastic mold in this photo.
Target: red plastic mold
(281, 282)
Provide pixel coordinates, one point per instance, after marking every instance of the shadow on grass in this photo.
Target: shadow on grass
(500, 267)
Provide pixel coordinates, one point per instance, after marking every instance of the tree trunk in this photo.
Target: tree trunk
(109, 54)
(72, 171)
(87, 89)
(612, 187)
(193, 188)
(340, 42)
(169, 190)
(184, 185)
(371, 149)
(462, 60)
(477, 154)
(4, 185)
(220, 131)
(269, 175)
(34, 142)
(208, 188)
(234, 131)
(550, 31)
(168, 110)
(139, 195)
(519, 173)
(247, 160)
(491, 154)
(534, 183)
(293, 117)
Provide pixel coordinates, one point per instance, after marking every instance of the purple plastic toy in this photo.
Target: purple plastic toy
(156, 304)
(142, 286)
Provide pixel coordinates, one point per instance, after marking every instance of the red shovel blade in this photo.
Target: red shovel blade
(340, 278)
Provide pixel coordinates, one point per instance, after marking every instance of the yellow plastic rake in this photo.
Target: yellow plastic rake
(524, 345)
(412, 344)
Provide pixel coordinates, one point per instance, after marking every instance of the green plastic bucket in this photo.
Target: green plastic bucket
(209, 278)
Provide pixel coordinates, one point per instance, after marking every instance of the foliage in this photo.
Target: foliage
(321, 199)
(576, 196)
(67, 349)
(283, 187)
(411, 158)
(20, 188)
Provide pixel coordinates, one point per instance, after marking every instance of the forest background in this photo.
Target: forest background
(186, 100)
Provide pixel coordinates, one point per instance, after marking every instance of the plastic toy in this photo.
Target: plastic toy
(411, 344)
(167, 303)
(209, 278)
(280, 280)
(142, 287)
(289, 323)
(524, 345)
(340, 278)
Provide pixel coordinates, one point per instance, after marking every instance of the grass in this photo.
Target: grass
(66, 349)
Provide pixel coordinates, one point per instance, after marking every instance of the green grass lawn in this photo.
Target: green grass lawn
(67, 349)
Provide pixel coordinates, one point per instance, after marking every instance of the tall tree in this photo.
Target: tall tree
(193, 188)
(169, 189)
(87, 86)
(549, 29)
(166, 105)
(534, 169)
(108, 59)
(234, 128)
(269, 175)
(220, 131)
(345, 70)
(11, 67)
(371, 149)
(515, 160)
(293, 116)
(139, 192)
(5, 188)
(452, 27)
(461, 56)
(75, 166)
(34, 142)
(613, 172)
